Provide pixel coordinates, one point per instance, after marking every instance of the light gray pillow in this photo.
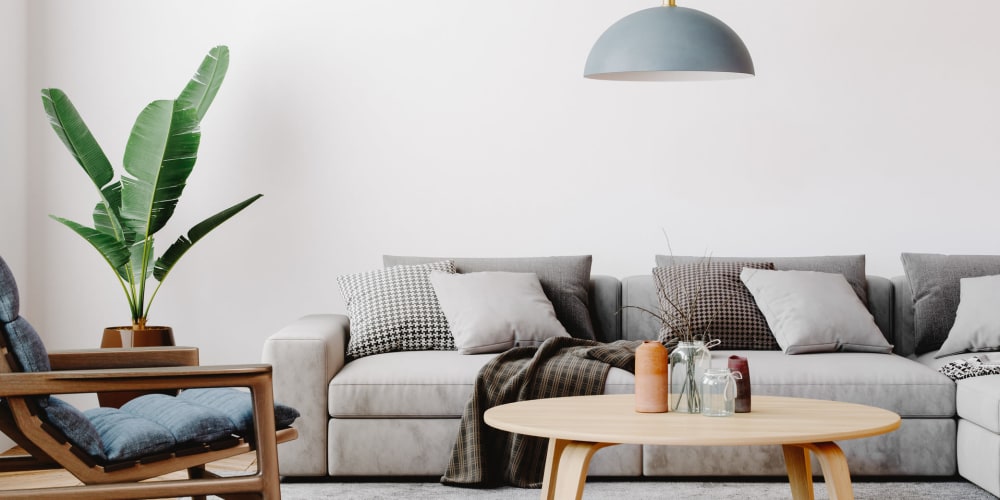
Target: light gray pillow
(977, 322)
(934, 281)
(851, 266)
(810, 311)
(494, 311)
(565, 280)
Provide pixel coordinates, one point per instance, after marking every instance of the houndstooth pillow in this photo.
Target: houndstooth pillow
(395, 309)
(716, 302)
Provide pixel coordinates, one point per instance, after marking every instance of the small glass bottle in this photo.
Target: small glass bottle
(718, 392)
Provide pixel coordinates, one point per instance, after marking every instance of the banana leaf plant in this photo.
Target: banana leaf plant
(159, 156)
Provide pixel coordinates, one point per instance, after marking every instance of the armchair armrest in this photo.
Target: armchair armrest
(122, 379)
(138, 357)
(306, 355)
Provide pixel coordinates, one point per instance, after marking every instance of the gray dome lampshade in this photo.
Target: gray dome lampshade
(668, 43)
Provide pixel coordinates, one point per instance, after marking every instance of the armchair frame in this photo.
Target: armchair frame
(132, 370)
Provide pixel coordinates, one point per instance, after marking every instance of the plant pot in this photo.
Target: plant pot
(126, 337)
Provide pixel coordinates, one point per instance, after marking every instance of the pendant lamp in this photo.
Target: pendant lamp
(668, 43)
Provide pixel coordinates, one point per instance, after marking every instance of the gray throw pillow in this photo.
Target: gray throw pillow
(565, 280)
(977, 321)
(395, 309)
(811, 312)
(851, 266)
(494, 311)
(935, 283)
(709, 300)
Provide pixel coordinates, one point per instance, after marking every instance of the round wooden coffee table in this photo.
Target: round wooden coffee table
(579, 426)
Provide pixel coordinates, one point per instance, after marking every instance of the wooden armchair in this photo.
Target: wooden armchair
(29, 376)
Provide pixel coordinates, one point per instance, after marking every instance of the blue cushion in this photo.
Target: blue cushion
(189, 423)
(126, 436)
(75, 425)
(27, 346)
(8, 294)
(237, 406)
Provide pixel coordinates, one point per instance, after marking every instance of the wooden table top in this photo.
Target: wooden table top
(613, 419)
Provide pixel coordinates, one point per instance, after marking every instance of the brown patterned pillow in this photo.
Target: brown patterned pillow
(709, 299)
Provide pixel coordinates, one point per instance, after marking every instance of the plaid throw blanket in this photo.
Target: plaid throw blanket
(561, 366)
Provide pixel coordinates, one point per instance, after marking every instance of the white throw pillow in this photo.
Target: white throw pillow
(494, 311)
(977, 322)
(810, 311)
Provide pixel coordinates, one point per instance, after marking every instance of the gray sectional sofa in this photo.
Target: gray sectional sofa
(397, 414)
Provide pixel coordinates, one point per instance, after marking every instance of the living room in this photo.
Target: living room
(463, 128)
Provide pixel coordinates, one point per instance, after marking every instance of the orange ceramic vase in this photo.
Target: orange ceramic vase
(651, 394)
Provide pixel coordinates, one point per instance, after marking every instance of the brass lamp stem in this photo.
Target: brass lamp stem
(670, 3)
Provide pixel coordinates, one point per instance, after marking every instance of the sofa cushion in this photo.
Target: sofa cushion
(708, 300)
(935, 283)
(406, 384)
(851, 266)
(395, 309)
(494, 311)
(977, 320)
(810, 312)
(884, 380)
(420, 384)
(977, 399)
(565, 280)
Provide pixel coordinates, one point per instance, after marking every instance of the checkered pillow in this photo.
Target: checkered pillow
(395, 309)
(717, 302)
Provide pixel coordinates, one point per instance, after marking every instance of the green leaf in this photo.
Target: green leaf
(74, 133)
(169, 258)
(109, 224)
(69, 126)
(200, 91)
(160, 155)
(113, 251)
(136, 261)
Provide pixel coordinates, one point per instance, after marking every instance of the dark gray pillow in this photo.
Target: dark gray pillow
(27, 346)
(716, 303)
(565, 281)
(936, 286)
(851, 266)
(74, 424)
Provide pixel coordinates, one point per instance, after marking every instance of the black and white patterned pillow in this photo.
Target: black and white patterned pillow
(709, 299)
(395, 309)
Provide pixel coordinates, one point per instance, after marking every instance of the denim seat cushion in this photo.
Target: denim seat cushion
(27, 346)
(75, 425)
(125, 436)
(237, 406)
(189, 423)
(9, 302)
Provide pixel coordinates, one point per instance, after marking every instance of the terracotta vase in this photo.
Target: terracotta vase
(126, 337)
(651, 382)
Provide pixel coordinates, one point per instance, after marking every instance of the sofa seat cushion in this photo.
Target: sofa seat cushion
(420, 384)
(406, 384)
(977, 399)
(883, 380)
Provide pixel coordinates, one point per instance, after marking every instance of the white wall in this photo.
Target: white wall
(453, 127)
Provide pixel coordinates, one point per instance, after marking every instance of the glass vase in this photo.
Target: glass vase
(688, 362)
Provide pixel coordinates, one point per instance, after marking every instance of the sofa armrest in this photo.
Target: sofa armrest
(305, 356)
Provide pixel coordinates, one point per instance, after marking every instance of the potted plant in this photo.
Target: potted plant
(159, 156)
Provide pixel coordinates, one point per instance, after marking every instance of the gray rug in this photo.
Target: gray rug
(632, 490)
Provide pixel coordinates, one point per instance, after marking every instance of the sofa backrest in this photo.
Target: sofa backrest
(640, 292)
(902, 317)
(605, 301)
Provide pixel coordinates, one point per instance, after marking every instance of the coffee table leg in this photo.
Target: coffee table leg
(831, 460)
(835, 471)
(566, 468)
(799, 469)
